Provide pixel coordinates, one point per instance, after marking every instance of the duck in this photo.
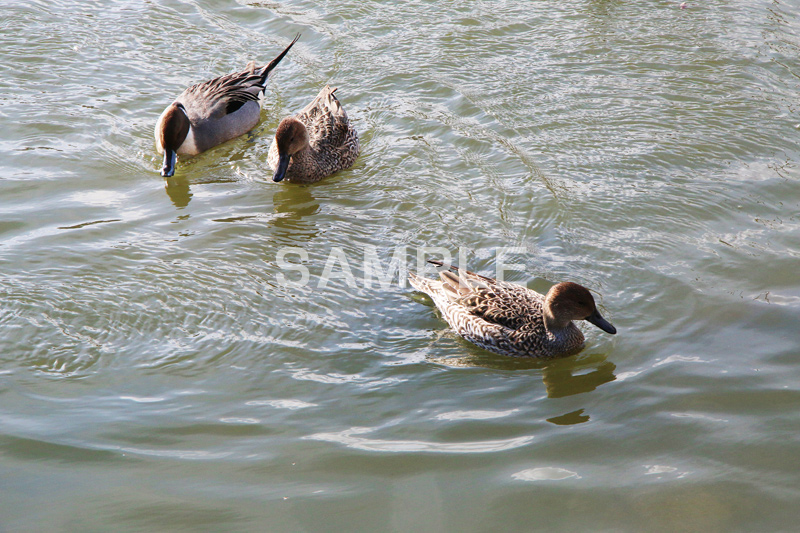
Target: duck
(314, 143)
(509, 319)
(213, 112)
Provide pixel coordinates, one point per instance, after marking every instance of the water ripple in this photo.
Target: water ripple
(643, 150)
(350, 439)
(545, 473)
(475, 415)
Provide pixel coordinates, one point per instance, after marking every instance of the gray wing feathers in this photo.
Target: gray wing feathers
(226, 94)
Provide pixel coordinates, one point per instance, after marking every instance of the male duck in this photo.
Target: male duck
(314, 143)
(510, 319)
(212, 112)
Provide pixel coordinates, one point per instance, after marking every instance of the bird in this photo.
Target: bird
(212, 112)
(510, 319)
(314, 143)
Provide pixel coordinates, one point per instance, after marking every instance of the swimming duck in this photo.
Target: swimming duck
(212, 112)
(510, 319)
(314, 143)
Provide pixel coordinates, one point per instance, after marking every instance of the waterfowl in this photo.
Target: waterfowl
(510, 319)
(314, 143)
(212, 112)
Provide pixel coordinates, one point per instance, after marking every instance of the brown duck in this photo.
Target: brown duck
(510, 319)
(314, 143)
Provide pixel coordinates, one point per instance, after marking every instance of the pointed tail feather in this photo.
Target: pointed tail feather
(267, 70)
(478, 281)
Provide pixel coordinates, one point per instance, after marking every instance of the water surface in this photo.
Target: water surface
(161, 372)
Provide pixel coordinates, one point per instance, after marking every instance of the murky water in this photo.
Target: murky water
(161, 371)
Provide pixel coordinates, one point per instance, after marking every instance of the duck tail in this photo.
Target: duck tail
(475, 280)
(419, 283)
(267, 70)
(447, 266)
(442, 264)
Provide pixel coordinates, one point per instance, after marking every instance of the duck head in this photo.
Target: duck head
(569, 301)
(173, 129)
(291, 137)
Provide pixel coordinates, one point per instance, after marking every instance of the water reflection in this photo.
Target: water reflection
(569, 419)
(562, 377)
(567, 377)
(178, 190)
(477, 414)
(178, 187)
(545, 473)
(350, 438)
(297, 206)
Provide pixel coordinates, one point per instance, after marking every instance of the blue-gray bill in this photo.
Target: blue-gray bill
(596, 319)
(170, 157)
(283, 165)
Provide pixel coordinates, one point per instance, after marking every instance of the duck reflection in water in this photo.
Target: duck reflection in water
(566, 377)
(178, 190)
(296, 207)
(561, 377)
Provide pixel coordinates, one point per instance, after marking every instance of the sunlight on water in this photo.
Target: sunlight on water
(546, 473)
(475, 415)
(348, 438)
(163, 368)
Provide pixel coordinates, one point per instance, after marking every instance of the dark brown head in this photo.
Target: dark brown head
(174, 127)
(290, 138)
(569, 301)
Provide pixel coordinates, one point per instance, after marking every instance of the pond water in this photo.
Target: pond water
(164, 368)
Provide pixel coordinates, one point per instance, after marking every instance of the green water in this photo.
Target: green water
(159, 371)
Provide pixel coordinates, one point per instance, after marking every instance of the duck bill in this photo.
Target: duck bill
(170, 157)
(601, 322)
(283, 165)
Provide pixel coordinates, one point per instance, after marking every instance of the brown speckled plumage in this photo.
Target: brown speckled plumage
(332, 141)
(510, 319)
